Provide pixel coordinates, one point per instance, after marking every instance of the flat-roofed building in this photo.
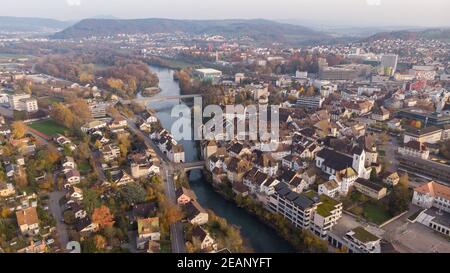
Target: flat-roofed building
(430, 134)
(208, 74)
(359, 240)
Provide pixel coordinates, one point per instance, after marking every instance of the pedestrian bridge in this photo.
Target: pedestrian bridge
(145, 100)
(190, 166)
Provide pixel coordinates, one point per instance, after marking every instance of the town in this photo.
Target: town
(87, 155)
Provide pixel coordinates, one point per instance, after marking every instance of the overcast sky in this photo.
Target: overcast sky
(337, 12)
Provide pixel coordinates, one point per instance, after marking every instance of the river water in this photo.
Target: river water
(260, 237)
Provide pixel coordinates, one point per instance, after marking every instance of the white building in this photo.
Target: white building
(414, 148)
(432, 194)
(359, 240)
(310, 102)
(208, 73)
(23, 102)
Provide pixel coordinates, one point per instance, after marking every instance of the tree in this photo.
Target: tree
(373, 175)
(5, 212)
(404, 180)
(69, 217)
(171, 213)
(18, 129)
(63, 115)
(90, 200)
(124, 144)
(21, 181)
(100, 242)
(88, 245)
(310, 92)
(103, 217)
(83, 151)
(80, 108)
(399, 200)
(134, 193)
(384, 137)
(115, 84)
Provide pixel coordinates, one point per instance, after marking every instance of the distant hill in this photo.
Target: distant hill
(260, 30)
(29, 24)
(437, 34)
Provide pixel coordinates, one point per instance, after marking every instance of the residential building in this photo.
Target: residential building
(370, 189)
(415, 149)
(390, 178)
(148, 230)
(359, 240)
(295, 207)
(313, 102)
(28, 221)
(205, 239)
(196, 214)
(23, 102)
(326, 215)
(380, 114)
(184, 196)
(432, 194)
(7, 189)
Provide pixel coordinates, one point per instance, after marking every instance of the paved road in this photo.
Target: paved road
(57, 213)
(166, 168)
(98, 163)
(414, 237)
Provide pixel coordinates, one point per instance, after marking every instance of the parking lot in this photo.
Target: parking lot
(415, 237)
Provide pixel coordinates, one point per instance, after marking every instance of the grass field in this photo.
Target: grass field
(84, 167)
(48, 127)
(375, 213)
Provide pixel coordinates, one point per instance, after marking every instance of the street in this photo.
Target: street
(99, 169)
(176, 230)
(57, 213)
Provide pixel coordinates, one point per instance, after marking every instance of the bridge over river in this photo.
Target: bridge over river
(147, 100)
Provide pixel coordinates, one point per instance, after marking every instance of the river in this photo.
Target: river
(260, 237)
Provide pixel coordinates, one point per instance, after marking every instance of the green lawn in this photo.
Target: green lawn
(84, 167)
(48, 127)
(375, 213)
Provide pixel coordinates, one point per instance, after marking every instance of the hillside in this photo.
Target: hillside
(438, 34)
(28, 24)
(260, 30)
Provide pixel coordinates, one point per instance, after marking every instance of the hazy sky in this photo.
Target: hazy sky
(338, 12)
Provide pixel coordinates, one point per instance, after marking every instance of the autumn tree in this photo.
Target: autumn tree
(24, 86)
(124, 144)
(171, 213)
(80, 109)
(404, 180)
(18, 129)
(100, 242)
(310, 92)
(63, 115)
(103, 217)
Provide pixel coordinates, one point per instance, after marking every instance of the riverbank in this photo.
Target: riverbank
(260, 237)
(304, 242)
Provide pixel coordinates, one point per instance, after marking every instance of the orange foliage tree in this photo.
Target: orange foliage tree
(103, 217)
